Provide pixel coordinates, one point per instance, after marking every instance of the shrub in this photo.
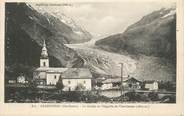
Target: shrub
(60, 85)
(153, 96)
(80, 87)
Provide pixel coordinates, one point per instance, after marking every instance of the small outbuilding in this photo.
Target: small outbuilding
(21, 79)
(151, 85)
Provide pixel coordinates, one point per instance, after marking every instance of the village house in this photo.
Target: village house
(11, 81)
(21, 79)
(131, 83)
(151, 85)
(115, 83)
(111, 83)
(71, 77)
(106, 85)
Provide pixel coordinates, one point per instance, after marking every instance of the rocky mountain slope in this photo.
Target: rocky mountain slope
(25, 31)
(151, 43)
(153, 35)
(77, 29)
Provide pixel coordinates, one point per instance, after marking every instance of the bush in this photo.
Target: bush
(169, 99)
(60, 85)
(80, 87)
(133, 96)
(153, 96)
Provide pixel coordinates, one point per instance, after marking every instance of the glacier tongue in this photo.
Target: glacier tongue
(103, 62)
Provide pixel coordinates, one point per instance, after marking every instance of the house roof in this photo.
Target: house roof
(131, 80)
(125, 79)
(149, 81)
(112, 80)
(77, 73)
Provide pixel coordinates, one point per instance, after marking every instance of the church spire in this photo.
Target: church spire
(44, 45)
(44, 53)
(44, 59)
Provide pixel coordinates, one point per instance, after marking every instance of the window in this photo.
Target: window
(69, 89)
(69, 82)
(130, 85)
(44, 64)
(54, 76)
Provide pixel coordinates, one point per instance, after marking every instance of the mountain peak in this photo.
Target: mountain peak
(78, 30)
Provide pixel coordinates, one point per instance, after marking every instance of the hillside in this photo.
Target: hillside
(153, 35)
(150, 42)
(25, 31)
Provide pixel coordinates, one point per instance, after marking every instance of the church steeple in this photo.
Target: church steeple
(44, 53)
(44, 60)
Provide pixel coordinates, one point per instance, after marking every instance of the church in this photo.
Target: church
(71, 77)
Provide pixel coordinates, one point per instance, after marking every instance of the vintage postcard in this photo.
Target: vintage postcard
(117, 56)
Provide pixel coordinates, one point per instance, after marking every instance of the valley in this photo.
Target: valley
(49, 57)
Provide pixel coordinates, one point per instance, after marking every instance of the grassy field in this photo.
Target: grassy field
(22, 94)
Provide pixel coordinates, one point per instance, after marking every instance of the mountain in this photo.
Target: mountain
(25, 31)
(150, 43)
(153, 35)
(76, 34)
(84, 35)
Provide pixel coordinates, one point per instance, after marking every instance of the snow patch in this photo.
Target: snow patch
(78, 32)
(48, 20)
(29, 6)
(30, 17)
(171, 13)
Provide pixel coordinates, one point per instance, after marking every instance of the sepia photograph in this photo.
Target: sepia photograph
(89, 52)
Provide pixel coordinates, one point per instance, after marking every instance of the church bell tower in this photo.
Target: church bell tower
(44, 59)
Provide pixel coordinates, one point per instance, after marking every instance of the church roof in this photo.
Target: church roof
(68, 72)
(51, 69)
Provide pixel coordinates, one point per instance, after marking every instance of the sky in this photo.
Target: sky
(104, 19)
